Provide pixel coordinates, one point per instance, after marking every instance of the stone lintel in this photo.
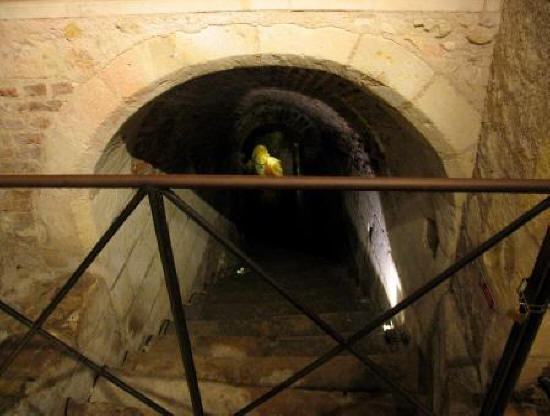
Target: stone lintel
(36, 9)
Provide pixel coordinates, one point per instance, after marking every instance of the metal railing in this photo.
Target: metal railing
(157, 188)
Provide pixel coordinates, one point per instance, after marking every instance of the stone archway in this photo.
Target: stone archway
(398, 77)
(403, 83)
(86, 123)
(401, 79)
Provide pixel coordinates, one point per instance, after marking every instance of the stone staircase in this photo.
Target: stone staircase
(246, 339)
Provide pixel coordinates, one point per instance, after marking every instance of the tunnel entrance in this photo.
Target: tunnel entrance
(212, 124)
(339, 252)
(315, 123)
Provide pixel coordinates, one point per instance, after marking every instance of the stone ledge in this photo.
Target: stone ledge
(44, 9)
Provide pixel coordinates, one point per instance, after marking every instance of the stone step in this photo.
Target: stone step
(280, 325)
(291, 282)
(267, 294)
(252, 346)
(106, 409)
(224, 399)
(11, 387)
(244, 310)
(342, 373)
(8, 402)
(34, 359)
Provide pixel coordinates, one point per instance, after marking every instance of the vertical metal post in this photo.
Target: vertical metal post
(534, 303)
(172, 285)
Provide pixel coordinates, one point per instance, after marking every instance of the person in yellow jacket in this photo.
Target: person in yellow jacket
(263, 163)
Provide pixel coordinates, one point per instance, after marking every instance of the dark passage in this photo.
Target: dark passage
(213, 123)
(305, 221)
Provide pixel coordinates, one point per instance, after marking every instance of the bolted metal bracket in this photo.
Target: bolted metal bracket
(526, 308)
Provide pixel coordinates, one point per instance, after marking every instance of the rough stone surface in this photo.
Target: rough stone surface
(105, 409)
(448, 46)
(479, 36)
(281, 39)
(514, 143)
(35, 376)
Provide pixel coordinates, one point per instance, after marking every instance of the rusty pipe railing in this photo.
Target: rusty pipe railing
(161, 182)
(532, 186)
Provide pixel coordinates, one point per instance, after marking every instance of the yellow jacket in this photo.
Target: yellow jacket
(263, 163)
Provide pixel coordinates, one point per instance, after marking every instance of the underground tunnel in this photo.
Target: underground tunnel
(316, 123)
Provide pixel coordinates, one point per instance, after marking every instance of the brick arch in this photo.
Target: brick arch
(403, 81)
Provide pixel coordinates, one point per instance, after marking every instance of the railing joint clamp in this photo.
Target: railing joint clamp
(526, 308)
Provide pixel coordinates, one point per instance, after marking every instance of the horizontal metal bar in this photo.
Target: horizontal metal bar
(69, 284)
(102, 371)
(412, 298)
(226, 243)
(532, 186)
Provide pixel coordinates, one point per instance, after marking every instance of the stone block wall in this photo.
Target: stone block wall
(130, 264)
(514, 142)
(118, 304)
